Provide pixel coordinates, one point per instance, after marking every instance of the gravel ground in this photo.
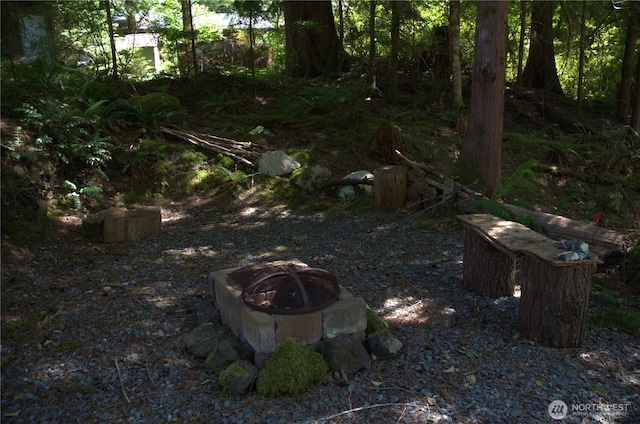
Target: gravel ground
(114, 318)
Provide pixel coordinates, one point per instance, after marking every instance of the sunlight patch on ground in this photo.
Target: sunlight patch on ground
(405, 310)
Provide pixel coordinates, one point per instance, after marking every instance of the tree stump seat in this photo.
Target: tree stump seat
(554, 293)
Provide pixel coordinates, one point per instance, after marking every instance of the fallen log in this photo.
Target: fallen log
(602, 241)
(560, 227)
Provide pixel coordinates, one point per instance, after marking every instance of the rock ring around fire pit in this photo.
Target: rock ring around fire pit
(333, 312)
(286, 289)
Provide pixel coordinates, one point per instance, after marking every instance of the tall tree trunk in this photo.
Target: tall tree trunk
(480, 158)
(112, 40)
(371, 77)
(392, 95)
(340, 35)
(312, 44)
(581, 60)
(635, 114)
(454, 49)
(190, 34)
(624, 96)
(540, 71)
(523, 23)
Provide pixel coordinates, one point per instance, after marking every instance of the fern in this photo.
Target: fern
(491, 206)
(511, 181)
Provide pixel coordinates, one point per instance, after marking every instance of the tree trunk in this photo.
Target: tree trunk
(624, 96)
(312, 44)
(392, 95)
(371, 78)
(523, 21)
(581, 60)
(487, 270)
(390, 188)
(454, 49)
(635, 115)
(554, 301)
(540, 71)
(480, 158)
(112, 39)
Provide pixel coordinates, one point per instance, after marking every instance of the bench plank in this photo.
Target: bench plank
(513, 238)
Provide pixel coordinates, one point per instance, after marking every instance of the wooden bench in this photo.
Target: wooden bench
(554, 294)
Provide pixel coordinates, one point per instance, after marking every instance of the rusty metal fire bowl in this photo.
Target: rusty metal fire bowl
(286, 290)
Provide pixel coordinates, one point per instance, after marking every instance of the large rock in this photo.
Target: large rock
(238, 377)
(384, 345)
(207, 312)
(227, 350)
(203, 339)
(345, 354)
(275, 163)
(312, 179)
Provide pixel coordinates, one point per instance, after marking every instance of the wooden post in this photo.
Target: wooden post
(487, 270)
(554, 301)
(390, 188)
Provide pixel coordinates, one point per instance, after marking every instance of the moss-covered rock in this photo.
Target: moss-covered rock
(291, 370)
(375, 324)
(238, 377)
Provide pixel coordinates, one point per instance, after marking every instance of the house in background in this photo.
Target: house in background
(27, 30)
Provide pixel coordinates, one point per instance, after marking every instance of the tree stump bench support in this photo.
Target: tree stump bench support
(554, 293)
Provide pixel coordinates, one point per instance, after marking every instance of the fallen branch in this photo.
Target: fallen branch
(347, 181)
(459, 187)
(124, 392)
(226, 146)
(378, 405)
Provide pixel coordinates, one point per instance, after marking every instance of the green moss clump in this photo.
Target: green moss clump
(291, 370)
(375, 324)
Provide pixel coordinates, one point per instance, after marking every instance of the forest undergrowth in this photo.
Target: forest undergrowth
(77, 148)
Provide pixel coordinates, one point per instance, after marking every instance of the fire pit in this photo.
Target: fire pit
(286, 289)
(265, 304)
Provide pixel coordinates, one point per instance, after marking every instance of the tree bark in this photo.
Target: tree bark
(487, 270)
(390, 188)
(392, 95)
(540, 71)
(454, 49)
(581, 60)
(523, 19)
(553, 302)
(312, 44)
(112, 39)
(624, 96)
(480, 157)
(635, 115)
(371, 77)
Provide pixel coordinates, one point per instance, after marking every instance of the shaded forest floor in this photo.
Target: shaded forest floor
(583, 167)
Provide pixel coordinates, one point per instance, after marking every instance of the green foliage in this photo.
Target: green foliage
(375, 324)
(512, 181)
(152, 110)
(291, 370)
(67, 134)
(491, 206)
(627, 320)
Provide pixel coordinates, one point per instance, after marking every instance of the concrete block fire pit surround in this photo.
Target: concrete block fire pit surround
(264, 331)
